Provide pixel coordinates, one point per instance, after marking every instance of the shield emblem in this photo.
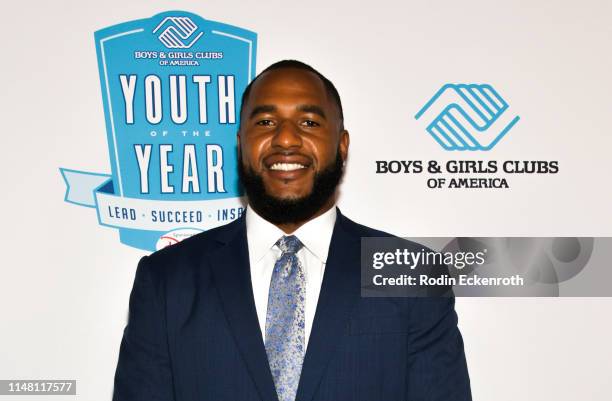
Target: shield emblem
(171, 89)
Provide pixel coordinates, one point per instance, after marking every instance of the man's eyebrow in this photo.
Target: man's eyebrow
(264, 108)
(311, 108)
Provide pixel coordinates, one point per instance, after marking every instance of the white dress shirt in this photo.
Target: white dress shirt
(263, 253)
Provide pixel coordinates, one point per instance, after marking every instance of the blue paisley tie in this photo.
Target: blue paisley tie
(285, 319)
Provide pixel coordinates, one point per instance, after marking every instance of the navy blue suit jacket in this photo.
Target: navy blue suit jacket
(193, 334)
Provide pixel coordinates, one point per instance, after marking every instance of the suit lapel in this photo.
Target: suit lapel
(230, 266)
(339, 292)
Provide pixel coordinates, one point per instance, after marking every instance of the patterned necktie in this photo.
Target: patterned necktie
(285, 319)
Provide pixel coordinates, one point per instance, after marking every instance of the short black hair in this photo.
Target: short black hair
(329, 86)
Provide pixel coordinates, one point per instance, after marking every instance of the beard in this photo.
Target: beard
(288, 211)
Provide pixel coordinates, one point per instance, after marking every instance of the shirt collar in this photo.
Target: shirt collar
(315, 234)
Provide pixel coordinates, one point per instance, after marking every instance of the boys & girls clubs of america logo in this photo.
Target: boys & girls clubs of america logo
(171, 88)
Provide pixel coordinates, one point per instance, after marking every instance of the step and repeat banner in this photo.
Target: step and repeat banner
(479, 131)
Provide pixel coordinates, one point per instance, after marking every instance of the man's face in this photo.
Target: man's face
(290, 132)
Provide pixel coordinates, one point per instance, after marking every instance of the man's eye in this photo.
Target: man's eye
(264, 122)
(310, 123)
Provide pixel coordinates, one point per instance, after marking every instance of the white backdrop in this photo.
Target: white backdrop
(65, 281)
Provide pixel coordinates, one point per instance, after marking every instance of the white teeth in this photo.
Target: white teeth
(286, 166)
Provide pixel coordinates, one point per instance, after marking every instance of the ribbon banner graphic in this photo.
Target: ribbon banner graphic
(171, 88)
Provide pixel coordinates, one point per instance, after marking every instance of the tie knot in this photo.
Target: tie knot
(289, 244)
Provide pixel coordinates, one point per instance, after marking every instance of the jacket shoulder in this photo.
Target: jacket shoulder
(363, 231)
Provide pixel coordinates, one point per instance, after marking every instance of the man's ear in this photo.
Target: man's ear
(344, 144)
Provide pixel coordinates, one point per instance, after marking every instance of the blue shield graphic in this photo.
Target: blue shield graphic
(171, 89)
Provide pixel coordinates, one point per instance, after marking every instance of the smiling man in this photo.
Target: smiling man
(268, 307)
(292, 144)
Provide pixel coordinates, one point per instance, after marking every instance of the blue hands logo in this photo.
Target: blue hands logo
(178, 32)
(467, 117)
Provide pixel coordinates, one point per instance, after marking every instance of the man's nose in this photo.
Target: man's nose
(287, 135)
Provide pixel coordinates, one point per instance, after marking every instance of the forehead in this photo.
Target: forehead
(288, 85)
